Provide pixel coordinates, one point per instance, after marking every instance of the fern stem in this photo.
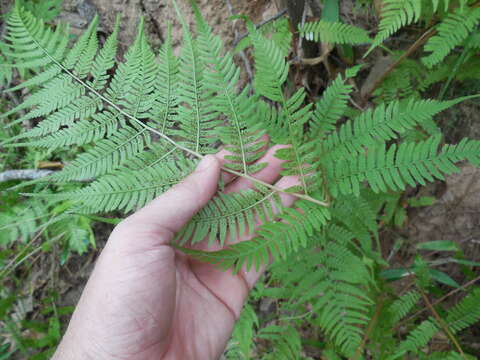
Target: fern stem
(419, 42)
(436, 302)
(371, 326)
(441, 322)
(170, 140)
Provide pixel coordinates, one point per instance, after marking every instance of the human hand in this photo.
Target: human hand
(147, 301)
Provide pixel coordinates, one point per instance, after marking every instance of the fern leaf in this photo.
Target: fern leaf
(452, 31)
(396, 14)
(334, 33)
(418, 338)
(129, 190)
(466, 313)
(21, 221)
(105, 59)
(241, 344)
(197, 121)
(271, 67)
(27, 35)
(286, 342)
(409, 163)
(80, 57)
(276, 239)
(337, 289)
(163, 113)
(287, 127)
(137, 95)
(244, 130)
(46, 9)
(106, 156)
(333, 104)
(230, 216)
(383, 123)
(403, 305)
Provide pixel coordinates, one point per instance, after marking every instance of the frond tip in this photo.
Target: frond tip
(397, 166)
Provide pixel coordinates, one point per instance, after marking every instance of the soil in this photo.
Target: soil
(159, 13)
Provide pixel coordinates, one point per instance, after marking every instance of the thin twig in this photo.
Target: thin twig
(170, 140)
(371, 326)
(441, 322)
(12, 265)
(419, 42)
(436, 302)
(27, 174)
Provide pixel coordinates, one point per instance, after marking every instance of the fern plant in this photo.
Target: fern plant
(141, 123)
(457, 22)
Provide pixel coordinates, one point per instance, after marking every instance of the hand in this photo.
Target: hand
(147, 301)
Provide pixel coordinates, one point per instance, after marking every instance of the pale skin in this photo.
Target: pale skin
(147, 301)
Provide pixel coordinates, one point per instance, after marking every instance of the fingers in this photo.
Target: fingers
(169, 212)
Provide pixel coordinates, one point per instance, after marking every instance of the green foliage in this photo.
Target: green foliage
(395, 15)
(134, 127)
(452, 32)
(44, 9)
(334, 33)
(457, 22)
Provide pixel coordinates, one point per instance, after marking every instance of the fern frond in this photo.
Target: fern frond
(395, 15)
(461, 316)
(333, 104)
(137, 93)
(243, 131)
(105, 59)
(231, 216)
(385, 122)
(337, 289)
(6, 73)
(241, 344)
(334, 33)
(128, 190)
(197, 121)
(408, 163)
(163, 112)
(417, 339)
(287, 128)
(26, 33)
(356, 215)
(45, 9)
(92, 127)
(21, 221)
(285, 340)
(466, 313)
(107, 155)
(275, 239)
(452, 31)
(278, 30)
(403, 305)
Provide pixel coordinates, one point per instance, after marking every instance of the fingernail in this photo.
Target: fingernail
(205, 163)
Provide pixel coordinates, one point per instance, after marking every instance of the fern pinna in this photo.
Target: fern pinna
(141, 122)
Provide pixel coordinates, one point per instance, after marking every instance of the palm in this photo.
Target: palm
(145, 300)
(208, 303)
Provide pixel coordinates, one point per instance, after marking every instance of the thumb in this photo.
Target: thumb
(169, 212)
